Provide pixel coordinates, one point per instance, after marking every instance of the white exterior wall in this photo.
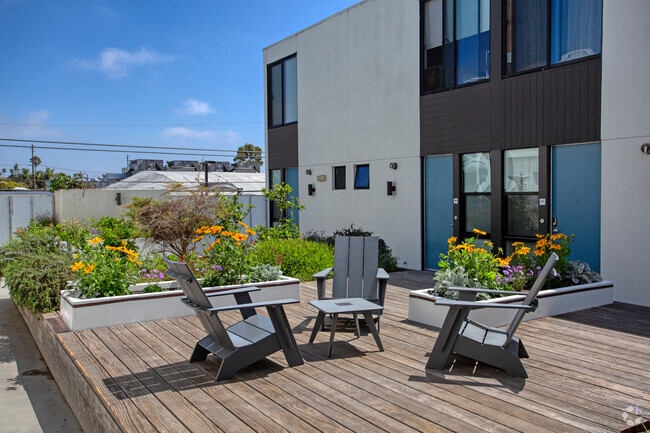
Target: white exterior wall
(347, 115)
(625, 170)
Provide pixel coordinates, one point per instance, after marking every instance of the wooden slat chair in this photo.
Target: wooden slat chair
(247, 341)
(356, 272)
(493, 346)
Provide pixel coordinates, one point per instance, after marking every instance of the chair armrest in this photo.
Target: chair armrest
(477, 305)
(382, 274)
(322, 274)
(232, 292)
(215, 310)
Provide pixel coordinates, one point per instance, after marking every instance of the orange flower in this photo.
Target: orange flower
(479, 232)
(77, 266)
(540, 236)
(539, 252)
(555, 247)
(523, 251)
(89, 269)
(197, 239)
(518, 244)
(95, 241)
(251, 232)
(243, 225)
(451, 240)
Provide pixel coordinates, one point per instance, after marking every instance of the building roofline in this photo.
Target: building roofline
(316, 24)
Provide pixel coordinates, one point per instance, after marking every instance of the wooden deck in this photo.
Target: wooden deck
(585, 369)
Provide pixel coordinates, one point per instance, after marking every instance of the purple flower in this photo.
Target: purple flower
(214, 266)
(155, 271)
(162, 276)
(143, 271)
(202, 270)
(219, 268)
(539, 268)
(196, 269)
(148, 275)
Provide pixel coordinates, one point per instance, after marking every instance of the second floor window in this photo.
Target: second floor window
(541, 33)
(456, 43)
(282, 86)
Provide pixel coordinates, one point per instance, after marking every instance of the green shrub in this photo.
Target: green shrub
(113, 230)
(386, 259)
(297, 258)
(36, 267)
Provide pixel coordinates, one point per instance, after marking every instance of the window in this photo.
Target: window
(477, 192)
(548, 32)
(521, 188)
(275, 178)
(456, 43)
(282, 86)
(362, 176)
(339, 177)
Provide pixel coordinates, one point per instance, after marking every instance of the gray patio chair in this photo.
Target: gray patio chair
(248, 341)
(356, 272)
(493, 346)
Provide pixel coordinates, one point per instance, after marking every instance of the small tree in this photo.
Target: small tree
(63, 181)
(288, 206)
(249, 153)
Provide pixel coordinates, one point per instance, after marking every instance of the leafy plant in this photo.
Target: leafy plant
(10, 184)
(288, 206)
(114, 230)
(73, 232)
(249, 153)
(264, 272)
(63, 181)
(152, 288)
(517, 277)
(577, 272)
(454, 277)
(558, 243)
(297, 258)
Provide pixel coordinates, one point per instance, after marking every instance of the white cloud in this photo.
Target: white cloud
(117, 63)
(196, 107)
(221, 136)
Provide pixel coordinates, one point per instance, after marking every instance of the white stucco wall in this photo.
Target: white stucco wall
(625, 170)
(348, 115)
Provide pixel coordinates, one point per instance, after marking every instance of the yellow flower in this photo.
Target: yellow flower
(116, 260)
(540, 236)
(243, 225)
(523, 251)
(77, 266)
(502, 262)
(251, 232)
(479, 232)
(451, 240)
(542, 243)
(95, 241)
(216, 229)
(226, 233)
(89, 269)
(518, 244)
(558, 236)
(539, 252)
(124, 243)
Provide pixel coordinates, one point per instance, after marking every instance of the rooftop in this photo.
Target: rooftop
(249, 183)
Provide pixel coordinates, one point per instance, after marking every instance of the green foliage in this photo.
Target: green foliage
(577, 272)
(231, 211)
(453, 277)
(74, 232)
(114, 230)
(264, 272)
(249, 153)
(35, 267)
(288, 207)
(297, 258)
(558, 243)
(479, 263)
(152, 288)
(225, 257)
(386, 259)
(10, 184)
(63, 181)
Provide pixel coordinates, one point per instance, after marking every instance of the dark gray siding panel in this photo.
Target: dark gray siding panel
(282, 151)
(455, 119)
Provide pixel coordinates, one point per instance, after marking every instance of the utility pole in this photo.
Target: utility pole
(33, 172)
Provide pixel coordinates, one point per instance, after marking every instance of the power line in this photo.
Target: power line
(114, 151)
(124, 145)
(120, 125)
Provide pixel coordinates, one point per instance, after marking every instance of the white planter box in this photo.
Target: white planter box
(422, 307)
(81, 314)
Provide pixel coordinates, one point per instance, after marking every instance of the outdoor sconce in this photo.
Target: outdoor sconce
(645, 148)
(393, 165)
(118, 198)
(308, 172)
(310, 189)
(390, 188)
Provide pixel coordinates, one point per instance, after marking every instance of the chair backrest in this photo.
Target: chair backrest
(196, 296)
(355, 267)
(532, 294)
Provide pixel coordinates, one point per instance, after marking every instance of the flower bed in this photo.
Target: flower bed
(422, 307)
(81, 314)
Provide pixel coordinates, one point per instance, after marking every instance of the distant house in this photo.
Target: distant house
(423, 119)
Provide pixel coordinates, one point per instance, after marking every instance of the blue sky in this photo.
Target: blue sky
(186, 74)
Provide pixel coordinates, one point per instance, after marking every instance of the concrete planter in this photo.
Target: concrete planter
(422, 307)
(80, 314)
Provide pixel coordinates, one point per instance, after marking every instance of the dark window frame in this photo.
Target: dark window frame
(505, 194)
(548, 65)
(463, 200)
(335, 185)
(269, 87)
(356, 174)
(453, 47)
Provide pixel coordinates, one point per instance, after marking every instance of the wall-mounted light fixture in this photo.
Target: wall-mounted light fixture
(310, 189)
(118, 198)
(645, 148)
(308, 172)
(390, 188)
(393, 165)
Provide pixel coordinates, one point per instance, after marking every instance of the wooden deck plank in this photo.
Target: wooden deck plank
(585, 368)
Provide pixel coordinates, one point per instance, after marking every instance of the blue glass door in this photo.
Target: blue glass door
(438, 207)
(576, 199)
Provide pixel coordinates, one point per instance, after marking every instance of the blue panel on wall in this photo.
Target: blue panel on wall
(576, 199)
(438, 207)
(292, 181)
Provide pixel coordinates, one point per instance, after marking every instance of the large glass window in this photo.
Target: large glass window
(362, 176)
(540, 33)
(521, 187)
(283, 92)
(477, 192)
(456, 43)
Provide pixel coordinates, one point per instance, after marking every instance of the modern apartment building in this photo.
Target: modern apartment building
(423, 119)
